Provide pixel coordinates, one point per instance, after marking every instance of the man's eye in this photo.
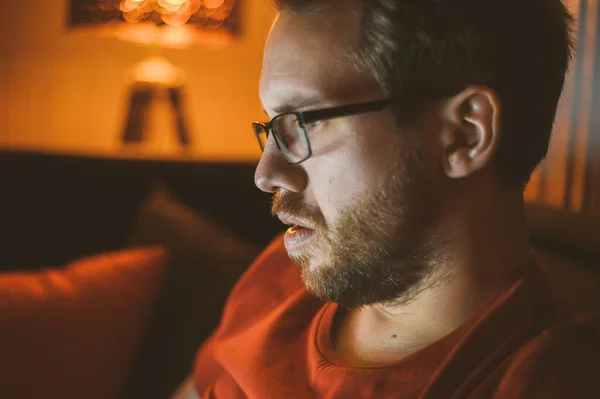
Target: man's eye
(313, 124)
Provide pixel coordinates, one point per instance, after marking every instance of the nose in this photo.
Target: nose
(274, 173)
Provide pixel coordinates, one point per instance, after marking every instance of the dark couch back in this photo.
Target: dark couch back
(57, 208)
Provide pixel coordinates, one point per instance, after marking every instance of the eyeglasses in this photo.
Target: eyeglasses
(289, 129)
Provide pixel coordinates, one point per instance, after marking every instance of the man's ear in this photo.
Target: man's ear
(472, 129)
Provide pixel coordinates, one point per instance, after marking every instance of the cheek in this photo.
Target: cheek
(339, 181)
(357, 162)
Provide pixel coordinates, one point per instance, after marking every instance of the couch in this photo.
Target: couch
(114, 271)
(177, 234)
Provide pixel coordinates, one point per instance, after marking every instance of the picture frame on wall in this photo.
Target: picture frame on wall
(203, 16)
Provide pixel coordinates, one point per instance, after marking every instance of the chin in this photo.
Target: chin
(311, 258)
(305, 259)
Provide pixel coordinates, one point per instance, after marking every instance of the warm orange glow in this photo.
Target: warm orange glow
(158, 70)
(80, 100)
(195, 6)
(176, 36)
(178, 18)
(220, 14)
(209, 14)
(143, 33)
(168, 6)
(170, 36)
(133, 16)
(148, 6)
(213, 3)
(128, 6)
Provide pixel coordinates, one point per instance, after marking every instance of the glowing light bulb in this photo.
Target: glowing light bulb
(158, 70)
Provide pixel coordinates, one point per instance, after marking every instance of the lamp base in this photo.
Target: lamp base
(156, 120)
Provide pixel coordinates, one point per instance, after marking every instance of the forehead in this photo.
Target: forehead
(307, 60)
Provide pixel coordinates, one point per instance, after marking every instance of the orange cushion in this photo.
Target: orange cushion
(73, 332)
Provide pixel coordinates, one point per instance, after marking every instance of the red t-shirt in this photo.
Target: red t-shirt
(274, 342)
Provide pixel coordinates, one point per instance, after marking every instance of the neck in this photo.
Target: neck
(487, 245)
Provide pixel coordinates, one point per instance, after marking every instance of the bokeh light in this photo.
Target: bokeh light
(173, 12)
(204, 17)
(176, 12)
(213, 3)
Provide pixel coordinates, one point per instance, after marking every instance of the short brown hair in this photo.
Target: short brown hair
(437, 48)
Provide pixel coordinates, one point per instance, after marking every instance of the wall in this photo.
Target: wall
(67, 90)
(569, 177)
(3, 93)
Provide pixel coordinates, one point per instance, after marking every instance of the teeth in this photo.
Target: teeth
(295, 227)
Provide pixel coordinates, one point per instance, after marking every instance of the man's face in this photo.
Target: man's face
(362, 206)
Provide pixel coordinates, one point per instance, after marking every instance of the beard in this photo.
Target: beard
(385, 245)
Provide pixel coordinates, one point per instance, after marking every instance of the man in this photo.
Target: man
(402, 134)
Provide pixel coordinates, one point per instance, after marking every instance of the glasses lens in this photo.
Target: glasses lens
(261, 135)
(291, 138)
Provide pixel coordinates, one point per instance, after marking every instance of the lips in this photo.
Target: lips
(293, 221)
(299, 235)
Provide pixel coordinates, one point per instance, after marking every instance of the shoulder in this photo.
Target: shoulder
(563, 362)
(269, 281)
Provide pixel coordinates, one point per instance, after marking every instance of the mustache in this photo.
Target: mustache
(292, 204)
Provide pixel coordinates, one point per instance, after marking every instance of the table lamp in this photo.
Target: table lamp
(156, 108)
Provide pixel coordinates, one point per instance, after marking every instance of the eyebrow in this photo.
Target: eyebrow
(294, 104)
